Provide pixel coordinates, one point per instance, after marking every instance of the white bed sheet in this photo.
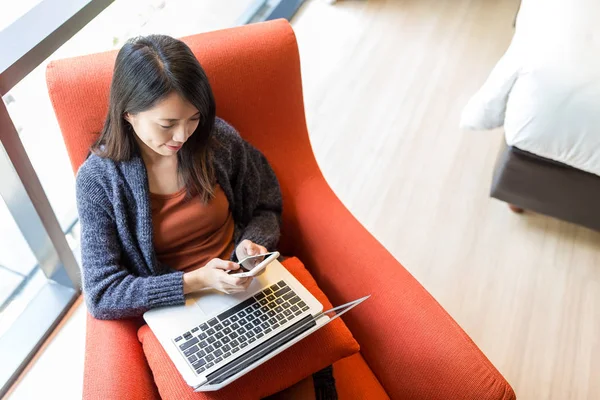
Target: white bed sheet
(545, 90)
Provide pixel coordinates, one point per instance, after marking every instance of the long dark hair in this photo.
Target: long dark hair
(148, 69)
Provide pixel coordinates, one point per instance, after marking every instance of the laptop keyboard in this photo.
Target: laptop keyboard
(219, 339)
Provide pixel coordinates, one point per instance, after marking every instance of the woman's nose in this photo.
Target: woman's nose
(180, 135)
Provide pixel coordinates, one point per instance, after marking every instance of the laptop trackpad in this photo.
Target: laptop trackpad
(213, 302)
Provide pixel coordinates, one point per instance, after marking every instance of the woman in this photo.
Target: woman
(170, 195)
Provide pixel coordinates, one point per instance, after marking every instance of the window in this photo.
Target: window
(17, 266)
(11, 11)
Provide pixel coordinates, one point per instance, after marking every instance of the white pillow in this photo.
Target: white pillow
(548, 32)
(487, 108)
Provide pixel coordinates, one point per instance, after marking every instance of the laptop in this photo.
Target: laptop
(215, 338)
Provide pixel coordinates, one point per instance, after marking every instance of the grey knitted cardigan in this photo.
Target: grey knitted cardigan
(122, 277)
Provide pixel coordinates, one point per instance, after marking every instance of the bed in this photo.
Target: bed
(545, 92)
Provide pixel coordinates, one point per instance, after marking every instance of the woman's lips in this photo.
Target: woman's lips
(174, 148)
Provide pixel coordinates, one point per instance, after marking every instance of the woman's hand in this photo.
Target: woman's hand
(247, 248)
(214, 275)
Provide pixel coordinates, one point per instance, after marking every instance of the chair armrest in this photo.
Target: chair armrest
(414, 347)
(115, 365)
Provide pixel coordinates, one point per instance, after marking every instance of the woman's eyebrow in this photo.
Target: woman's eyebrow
(175, 119)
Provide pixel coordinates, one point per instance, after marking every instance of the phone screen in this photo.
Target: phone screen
(249, 263)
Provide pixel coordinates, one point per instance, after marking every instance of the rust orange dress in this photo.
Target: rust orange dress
(188, 233)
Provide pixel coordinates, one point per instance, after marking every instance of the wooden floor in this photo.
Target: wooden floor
(385, 82)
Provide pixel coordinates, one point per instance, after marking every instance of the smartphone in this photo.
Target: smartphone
(253, 265)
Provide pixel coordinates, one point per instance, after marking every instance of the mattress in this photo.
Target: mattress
(545, 90)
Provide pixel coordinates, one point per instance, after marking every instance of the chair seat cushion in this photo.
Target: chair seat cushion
(320, 349)
(354, 380)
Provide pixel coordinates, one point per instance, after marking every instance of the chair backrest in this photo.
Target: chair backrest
(254, 71)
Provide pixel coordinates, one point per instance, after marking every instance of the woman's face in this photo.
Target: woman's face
(165, 127)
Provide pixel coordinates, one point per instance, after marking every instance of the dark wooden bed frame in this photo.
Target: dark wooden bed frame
(529, 182)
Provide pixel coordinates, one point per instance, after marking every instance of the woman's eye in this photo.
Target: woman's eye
(195, 119)
(166, 127)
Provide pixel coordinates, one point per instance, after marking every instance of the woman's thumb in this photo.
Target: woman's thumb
(227, 265)
(232, 266)
(251, 249)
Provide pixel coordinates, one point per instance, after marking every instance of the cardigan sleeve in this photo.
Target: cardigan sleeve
(111, 291)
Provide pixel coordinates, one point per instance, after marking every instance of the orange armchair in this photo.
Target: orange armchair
(410, 347)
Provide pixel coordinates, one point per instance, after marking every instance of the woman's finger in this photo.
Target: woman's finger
(243, 283)
(233, 289)
(232, 280)
(251, 248)
(227, 265)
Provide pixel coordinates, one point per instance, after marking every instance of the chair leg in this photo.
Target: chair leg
(516, 209)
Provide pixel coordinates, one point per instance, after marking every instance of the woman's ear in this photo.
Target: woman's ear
(127, 117)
